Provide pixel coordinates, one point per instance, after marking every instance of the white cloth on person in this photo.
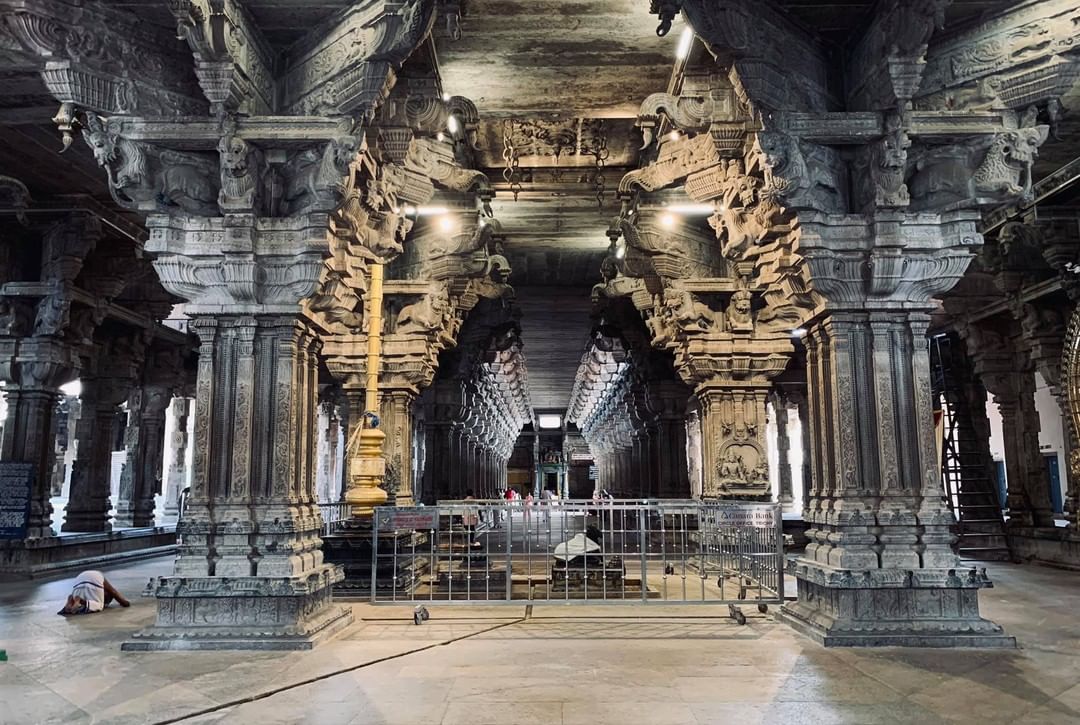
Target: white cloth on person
(576, 546)
(90, 587)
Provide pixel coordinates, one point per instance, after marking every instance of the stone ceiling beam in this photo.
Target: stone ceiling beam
(233, 61)
(323, 73)
(95, 58)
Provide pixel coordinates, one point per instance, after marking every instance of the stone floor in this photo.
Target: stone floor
(564, 664)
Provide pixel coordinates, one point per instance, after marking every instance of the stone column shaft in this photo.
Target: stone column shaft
(26, 438)
(785, 493)
(176, 479)
(140, 480)
(88, 502)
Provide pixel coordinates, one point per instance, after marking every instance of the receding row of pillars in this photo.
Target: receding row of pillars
(42, 424)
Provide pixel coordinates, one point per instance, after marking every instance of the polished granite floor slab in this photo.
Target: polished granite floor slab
(558, 664)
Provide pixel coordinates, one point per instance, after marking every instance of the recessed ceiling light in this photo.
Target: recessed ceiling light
(446, 97)
(549, 421)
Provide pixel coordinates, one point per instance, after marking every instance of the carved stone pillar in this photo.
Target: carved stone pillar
(879, 567)
(88, 502)
(734, 447)
(31, 405)
(144, 440)
(1028, 492)
(177, 477)
(785, 495)
(802, 409)
(396, 409)
(250, 570)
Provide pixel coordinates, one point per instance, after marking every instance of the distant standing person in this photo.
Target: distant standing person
(92, 593)
(470, 519)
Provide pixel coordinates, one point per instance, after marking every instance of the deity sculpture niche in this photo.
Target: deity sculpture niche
(742, 469)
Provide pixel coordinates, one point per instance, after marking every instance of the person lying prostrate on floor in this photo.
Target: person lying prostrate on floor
(92, 593)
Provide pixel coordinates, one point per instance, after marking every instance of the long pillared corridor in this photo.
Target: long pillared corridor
(339, 330)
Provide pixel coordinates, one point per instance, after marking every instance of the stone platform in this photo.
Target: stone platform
(43, 557)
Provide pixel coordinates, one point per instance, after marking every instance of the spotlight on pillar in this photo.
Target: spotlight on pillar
(452, 124)
(447, 223)
(620, 250)
(674, 136)
(428, 210)
(72, 389)
(685, 41)
(440, 136)
(691, 208)
(667, 221)
(798, 332)
(446, 97)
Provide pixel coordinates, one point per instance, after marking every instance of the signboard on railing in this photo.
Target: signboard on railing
(407, 518)
(743, 515)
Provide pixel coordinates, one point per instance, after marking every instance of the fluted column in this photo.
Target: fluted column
(879, 567)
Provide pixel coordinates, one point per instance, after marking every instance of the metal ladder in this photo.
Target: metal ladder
(967, 469)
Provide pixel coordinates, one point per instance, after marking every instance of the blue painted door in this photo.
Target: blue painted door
(1054, 472)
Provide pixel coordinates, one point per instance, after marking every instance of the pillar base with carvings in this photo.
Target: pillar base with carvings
(243, 613)
(891, 607)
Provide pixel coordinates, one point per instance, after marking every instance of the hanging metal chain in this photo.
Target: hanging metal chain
(601, 155)
(512, 168)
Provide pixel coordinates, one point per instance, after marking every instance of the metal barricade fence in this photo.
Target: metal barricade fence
(607, 551)
(332, 513)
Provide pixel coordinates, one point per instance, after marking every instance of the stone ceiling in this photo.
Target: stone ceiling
(559, 78)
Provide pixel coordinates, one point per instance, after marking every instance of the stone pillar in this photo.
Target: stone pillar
(249, 572)
(1028, 483)
(31, 405)
(785, 495)
(803, 410)
(396, 410)
(733, 440)
(879, 568)
(177, 477)
(88, 501)
(251, 552)
(144, 440)
(61, 424)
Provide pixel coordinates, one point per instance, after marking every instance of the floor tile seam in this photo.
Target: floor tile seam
(326, 676)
